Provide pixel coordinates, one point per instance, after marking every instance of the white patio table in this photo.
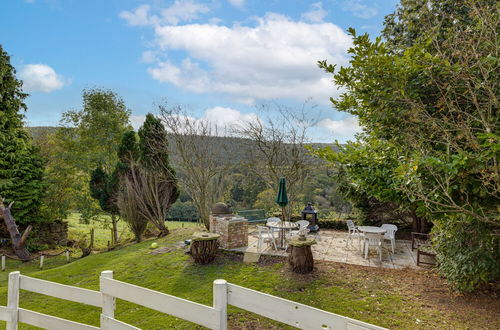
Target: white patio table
(283, 226)
(371, 230)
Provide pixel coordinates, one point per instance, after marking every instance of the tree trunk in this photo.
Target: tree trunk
(114, 224)
(18, 240)
(301, 259)
(204, 252)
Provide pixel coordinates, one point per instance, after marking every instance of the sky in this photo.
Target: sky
(220, 60)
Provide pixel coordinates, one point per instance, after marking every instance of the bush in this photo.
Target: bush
(467, 252)
(338, 224)
(183, 211)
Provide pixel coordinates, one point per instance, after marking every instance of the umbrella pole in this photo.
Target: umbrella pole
(283, 227)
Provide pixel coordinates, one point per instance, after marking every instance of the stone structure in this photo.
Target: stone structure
(51, 233)
(233, 230)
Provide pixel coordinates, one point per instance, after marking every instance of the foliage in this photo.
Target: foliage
(183, 211)
(468, 252)
(21, 167)
(148, 186)
(87, 139)
(103, 188)
(431, 95)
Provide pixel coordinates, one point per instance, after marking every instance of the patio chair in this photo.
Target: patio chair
(303, 224)
(421, 242)
(390, 234)
(274, 220)
(265, 236)
(353, 232)
(373, 240)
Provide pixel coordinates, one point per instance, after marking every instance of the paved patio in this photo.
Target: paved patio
(331, 246)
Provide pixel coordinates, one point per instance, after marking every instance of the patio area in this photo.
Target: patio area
(331, 246)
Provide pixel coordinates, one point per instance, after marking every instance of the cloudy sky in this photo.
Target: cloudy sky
(219, 59)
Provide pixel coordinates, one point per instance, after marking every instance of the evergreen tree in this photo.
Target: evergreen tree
(21, 167)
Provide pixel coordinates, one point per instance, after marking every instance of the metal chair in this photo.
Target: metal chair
(390, 234)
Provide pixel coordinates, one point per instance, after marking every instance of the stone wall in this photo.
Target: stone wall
(52, 233)
(233, 231)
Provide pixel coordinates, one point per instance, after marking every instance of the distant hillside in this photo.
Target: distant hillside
(230, 148)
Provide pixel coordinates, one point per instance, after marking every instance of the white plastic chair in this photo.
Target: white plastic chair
(353, 232)
(303, 224)
(390, 234)
(265, 235)
(373, 240)
(273, 220)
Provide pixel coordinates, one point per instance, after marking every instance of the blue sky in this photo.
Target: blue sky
(219, 59)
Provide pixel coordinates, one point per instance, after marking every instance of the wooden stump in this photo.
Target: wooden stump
(204, 247)
(300, 255)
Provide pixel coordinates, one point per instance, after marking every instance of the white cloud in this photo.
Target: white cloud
(274, 58)
(344, 128)
(359, 9)
(40, 78)
(139, 16)
(316, 14)
(179, 11)
(148, 56)
(237, 3)
(228, 118)
(137, 121)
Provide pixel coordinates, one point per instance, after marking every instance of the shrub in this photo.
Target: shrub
(338, 224)
(467, 252)
(183, 211)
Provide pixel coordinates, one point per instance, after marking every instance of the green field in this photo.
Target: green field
(389, 298)
(102, 231)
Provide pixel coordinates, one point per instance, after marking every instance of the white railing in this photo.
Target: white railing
(213, 317)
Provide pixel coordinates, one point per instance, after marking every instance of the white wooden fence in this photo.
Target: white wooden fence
(213, 317)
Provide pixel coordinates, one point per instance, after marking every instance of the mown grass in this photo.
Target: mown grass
(102, 231)
(361, 293)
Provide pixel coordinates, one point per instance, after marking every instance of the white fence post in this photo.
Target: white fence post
(3, 262)
(108, 302)
(13, 299)
(220, 302)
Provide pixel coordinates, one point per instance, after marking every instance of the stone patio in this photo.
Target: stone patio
(331, 246)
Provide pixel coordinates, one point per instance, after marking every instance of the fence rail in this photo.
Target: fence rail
(213, 317)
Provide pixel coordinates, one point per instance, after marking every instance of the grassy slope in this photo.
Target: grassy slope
(371, 295)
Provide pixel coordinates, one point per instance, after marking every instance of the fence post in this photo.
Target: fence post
(220, 302)
(67, 255)
(13, 299)
(3, 263)
(41, 261)
(108, 302)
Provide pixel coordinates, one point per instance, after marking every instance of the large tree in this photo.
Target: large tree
(85, 140)
(147, 181)
(21, 167)
(430, 94)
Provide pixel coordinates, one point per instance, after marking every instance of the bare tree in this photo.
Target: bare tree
(197, 156)
(277, 148)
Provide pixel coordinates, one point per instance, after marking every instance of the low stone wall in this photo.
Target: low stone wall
(52, 233)
(233, 231)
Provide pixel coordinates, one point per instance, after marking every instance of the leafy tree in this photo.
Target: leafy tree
(430, 93)
(85, 140)
(103, 187)
(21, 167)
(148, 186)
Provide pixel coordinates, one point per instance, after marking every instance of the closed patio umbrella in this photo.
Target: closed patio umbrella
(282, 198)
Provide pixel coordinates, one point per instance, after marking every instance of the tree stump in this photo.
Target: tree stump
(300, 255)
(204, 247)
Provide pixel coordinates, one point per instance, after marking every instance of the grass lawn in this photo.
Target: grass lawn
(102, 231)
(391, 298)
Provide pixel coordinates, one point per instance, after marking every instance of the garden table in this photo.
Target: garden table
(371, 230)
(282, 226)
